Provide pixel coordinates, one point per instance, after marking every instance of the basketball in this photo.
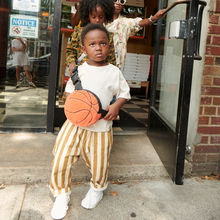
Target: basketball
(82, 108)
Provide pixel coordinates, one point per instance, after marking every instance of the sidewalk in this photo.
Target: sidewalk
(146, 193)
(27, 159)
(141, 200)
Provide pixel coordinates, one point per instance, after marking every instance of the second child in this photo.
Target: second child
(92, 11)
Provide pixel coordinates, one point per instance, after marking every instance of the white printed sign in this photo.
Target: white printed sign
(26, 5)
(23, 26)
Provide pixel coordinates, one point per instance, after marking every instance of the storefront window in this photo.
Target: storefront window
(21, 104)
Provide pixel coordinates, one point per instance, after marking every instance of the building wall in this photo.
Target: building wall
(206, 153)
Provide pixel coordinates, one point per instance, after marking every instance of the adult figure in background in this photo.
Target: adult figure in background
(123, 28)
(19, 46)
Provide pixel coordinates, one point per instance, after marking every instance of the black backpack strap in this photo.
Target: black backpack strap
(75, 78)
(103, 113)
(78, 86)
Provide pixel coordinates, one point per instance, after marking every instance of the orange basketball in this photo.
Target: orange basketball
(82, 108)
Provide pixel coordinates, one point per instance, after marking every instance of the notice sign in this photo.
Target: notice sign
(26, 5)
(23, 26)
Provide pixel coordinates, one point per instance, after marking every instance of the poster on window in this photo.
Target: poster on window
(26, 5)
(23, 26)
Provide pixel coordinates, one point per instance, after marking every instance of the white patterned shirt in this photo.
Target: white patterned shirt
(123, 28)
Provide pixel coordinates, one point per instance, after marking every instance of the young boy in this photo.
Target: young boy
(123, 28)
(93, 143)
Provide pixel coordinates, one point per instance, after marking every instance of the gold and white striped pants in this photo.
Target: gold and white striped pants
(73, 142)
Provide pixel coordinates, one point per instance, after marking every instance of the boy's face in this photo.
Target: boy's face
(96, 46)
(97, 16)
(118, 7)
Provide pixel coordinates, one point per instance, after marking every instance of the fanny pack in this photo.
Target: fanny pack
(82, 107)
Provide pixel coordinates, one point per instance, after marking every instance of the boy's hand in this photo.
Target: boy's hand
(113, 111)
(71, 67)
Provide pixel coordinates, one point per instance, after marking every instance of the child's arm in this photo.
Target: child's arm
(71, 51)
(111, 56)
(113, 110)
(67, 94)
(69, 88)
(146, 21)
(74, 16)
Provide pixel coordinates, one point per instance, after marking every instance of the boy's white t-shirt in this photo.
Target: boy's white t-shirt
(105, 82)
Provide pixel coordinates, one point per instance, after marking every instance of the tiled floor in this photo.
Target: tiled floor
(24, 104)
(138, 107)
(23, 107)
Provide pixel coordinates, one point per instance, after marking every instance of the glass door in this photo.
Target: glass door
(171, 84)
(24, 105)
(169, 68)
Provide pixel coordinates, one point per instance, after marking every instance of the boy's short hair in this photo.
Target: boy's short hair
(86, 6)
(91, 27)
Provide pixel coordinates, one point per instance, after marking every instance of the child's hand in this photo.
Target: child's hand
(157, 15)
(113, 112)
(71, 67)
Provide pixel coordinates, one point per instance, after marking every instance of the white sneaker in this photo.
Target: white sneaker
(31, 85)
(18, 85)
(60, 206)
(92, 199)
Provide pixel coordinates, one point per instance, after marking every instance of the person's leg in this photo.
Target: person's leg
(27, 72)
(29, 77)
(96, 154)
(66, 152)
(18, 71)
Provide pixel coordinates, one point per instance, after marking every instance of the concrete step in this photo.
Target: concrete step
(27, 158)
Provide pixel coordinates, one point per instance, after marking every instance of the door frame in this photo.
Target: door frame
(171, 145)
(54, 65)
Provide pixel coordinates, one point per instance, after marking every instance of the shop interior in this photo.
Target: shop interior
(26, 108)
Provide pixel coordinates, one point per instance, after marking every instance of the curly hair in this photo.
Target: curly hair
(91, 27)
(86, 7)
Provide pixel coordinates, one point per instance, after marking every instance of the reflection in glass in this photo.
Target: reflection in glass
(169, 68)
(26, 107)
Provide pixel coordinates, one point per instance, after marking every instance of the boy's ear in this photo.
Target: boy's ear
(83, 49)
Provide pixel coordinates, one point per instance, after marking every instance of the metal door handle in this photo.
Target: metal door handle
(180, 2)
(197, 56)
(174, 4)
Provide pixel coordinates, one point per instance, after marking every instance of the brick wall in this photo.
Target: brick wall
(206, 155)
